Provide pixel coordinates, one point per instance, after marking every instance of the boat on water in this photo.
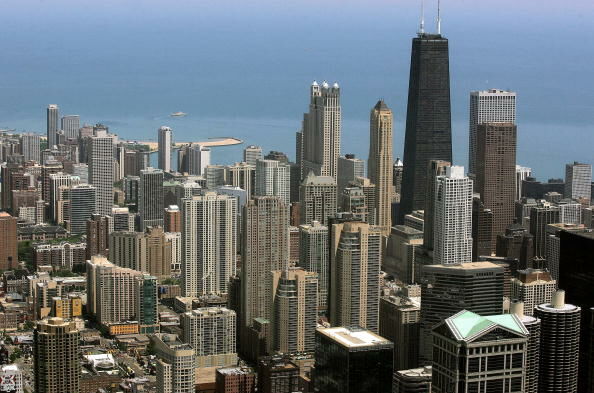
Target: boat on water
(178, 114)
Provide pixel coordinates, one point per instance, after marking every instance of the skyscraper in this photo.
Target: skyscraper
(488, 106)
(273, 178)
(578, 181)
(453, 218)
(197, 159)
(70, 126)
(355, 260)
(496, 173)
(313, 257)
(265, 248)
(540, 217)
(165, 136)
(435, 169)
(242, 175)
(428, 117)
(209, 243)
(145, 294)
(176, 368)
(30, 146)
(532, 287)
(150, 198)
(321, 131)
(52, 124)
(522, 173)
(82, 206)
(8, 242)
(251, 154)
(559, 345)
(56, 352)
(101, 170)
(318, 199)
(380, 164)
(98, 229)
(399, 323)
(349, 168)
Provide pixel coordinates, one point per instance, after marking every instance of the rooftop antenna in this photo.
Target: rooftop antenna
(439, 17)
(422, 26)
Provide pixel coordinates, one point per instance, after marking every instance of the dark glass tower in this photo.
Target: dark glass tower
(428, 118)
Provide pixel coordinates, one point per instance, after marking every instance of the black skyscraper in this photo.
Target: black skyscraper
(428, 119)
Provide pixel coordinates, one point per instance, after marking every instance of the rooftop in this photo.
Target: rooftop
(354, 337)
(466, 325)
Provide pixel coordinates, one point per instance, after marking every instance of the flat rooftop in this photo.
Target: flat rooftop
(354, 337)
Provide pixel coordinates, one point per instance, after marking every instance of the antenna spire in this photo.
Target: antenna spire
(438, 16)
(422, 25)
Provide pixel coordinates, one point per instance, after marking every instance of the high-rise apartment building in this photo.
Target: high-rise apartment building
(209, 243)
(52, 124)
(531, 324)
(211, 332)
(56, 352)
(215, 175)
(482, 229)
(31, 147)
(251, 154)
(435, 169)
(320, 147)
(172, 219)
(197, 158)
(448, 289)
(98, 230)
(82, 206)
(522, 173)
(380, 164)
(8, 242)
(176, 368)
(150, 252)
(318, 199)
(101, 170)
(70, 126)
(150, 198)
(578, 182)
(532, 287)
(400, 253)
(235, 380)
(469, 352)
(488, 106)
(428, 117)
(165, 143)
(294, 315)
(273, 178)
(349, 168)
(355, 261)
(452, 223)
(145, 294)
(540, 217)
(264, 248)
(313, 257)
(242, 175)
(343, 359)
(495, 172)
(570, 212)
(559, 345)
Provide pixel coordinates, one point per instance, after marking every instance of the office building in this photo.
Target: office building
(343, 359)
(488, 106)
(496, 173)
(215, 175)
(414, 380)
(559, 345)
(540, 217)
(31, 147)
(435, 169)
(211, 332)
(273, 178)
(294, 314)
(578, 182)
(145, 294)
(428, 118)
(516, 243)
(381, 163)
(399, 260)
(176, 370)
(532, 287)
(70, 126)
(313, 257)
(8, 242)
(56, 351)
(522, 173)
(355, 261)
(242, 175)
(416, 220)
(52, 124)
(277, 374)
(460, 338)
(570, 212)
(448, 289)
(399, 322)
(165, 144)
(320, 147)
(397, 178)
(251, 154)
(235, 380)
(123, 220)
(101, 170)
(209, 243)
(150, 198)
(82, 207)
(482, 229)
(452, 223)
(318, 199)
(349, 168)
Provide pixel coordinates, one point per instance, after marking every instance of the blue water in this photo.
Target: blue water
(243, 69)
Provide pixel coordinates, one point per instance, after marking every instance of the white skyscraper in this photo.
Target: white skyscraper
(209, 243)
(70, 126)
(273, 178)
(251, 154)
(491, 105)
(101, 170)
(578, 181)
(198, 158)
(522, 173)
(165, 137)
(453, 218)
(52, 124)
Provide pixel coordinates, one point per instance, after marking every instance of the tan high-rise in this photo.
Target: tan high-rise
(380, 164)
(56, 351)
